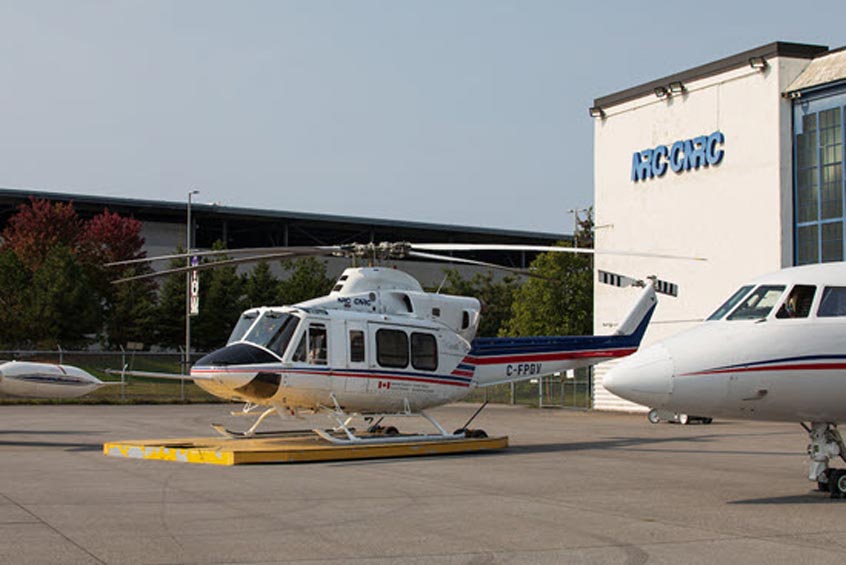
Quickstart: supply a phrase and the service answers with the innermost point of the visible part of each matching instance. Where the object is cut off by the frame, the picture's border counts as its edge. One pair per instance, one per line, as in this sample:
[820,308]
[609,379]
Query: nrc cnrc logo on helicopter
[681,156]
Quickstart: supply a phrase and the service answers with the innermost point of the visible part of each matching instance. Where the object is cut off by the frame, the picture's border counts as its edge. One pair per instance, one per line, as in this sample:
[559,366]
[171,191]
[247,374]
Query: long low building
[164,228]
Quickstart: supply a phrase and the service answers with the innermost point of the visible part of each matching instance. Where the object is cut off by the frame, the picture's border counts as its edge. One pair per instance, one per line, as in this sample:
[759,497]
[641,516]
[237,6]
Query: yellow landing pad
[288,449]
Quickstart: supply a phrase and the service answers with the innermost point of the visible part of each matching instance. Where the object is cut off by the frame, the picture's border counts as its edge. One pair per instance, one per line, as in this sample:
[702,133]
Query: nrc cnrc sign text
[702,151]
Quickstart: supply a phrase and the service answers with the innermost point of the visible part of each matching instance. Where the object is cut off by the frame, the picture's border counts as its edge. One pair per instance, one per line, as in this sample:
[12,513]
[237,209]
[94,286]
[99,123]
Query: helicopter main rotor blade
[216,264]
[541,249]
[263,250]
[447,258]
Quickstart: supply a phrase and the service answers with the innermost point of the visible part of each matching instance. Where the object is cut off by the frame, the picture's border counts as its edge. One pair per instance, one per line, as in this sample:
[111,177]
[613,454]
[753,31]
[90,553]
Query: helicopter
[379,345]
[772,351]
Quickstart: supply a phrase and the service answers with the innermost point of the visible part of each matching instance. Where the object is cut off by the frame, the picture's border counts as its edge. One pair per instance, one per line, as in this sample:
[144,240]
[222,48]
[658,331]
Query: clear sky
[458,112]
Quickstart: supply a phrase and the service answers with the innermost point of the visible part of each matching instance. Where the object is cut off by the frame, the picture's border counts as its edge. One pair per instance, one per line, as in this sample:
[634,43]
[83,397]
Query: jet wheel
[684,419]
[837,483]
[653,416]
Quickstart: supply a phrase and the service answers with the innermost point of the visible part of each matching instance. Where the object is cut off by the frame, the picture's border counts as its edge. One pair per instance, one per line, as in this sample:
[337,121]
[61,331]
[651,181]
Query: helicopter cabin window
[424,352]
[392,348]
[300,353]
[731,302]
[356,346]
[833,302]
[317,344]
[759,304]
[798,303]
[465,319]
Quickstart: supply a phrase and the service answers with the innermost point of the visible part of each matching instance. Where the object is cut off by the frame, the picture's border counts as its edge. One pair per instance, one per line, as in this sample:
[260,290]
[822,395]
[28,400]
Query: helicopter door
[356,361]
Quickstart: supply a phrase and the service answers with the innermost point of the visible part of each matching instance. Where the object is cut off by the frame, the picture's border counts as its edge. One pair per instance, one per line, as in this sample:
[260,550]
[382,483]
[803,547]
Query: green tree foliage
[15,282]
[261,287]
[306,280]
[562,305]
[170,312]
[221,304]
[496,296]
[63,306]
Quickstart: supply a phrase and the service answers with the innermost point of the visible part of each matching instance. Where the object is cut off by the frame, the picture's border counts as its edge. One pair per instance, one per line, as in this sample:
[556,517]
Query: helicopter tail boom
[511,359]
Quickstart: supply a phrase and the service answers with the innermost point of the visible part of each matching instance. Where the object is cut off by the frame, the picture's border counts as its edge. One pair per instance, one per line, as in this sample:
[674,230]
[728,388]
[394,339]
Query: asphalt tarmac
[574,487]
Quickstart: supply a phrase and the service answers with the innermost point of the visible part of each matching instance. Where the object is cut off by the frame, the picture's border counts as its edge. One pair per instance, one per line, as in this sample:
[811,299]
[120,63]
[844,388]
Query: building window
[819,191]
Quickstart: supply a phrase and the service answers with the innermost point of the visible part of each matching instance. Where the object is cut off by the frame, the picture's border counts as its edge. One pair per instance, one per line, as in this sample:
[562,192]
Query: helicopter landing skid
[387,435]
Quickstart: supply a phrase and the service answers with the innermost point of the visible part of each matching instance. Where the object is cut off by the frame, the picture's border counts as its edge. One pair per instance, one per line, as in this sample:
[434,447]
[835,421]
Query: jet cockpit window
[759,304]
[798,303]
[241,327]
[731,302]
[833,302]
[273,331]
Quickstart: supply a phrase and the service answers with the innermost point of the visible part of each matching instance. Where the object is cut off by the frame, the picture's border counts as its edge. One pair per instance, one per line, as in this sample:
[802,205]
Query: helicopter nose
[644,377]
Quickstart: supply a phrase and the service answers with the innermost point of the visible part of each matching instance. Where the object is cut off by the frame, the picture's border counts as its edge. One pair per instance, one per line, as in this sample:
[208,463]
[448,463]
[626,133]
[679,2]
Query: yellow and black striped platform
[292,448]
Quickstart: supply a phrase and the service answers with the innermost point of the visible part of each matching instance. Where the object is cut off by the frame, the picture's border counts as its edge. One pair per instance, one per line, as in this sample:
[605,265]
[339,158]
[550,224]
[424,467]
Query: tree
[62,306]
[170,312]
[128,308]
[306,280]
[496,297]
[40,226]
[221,303]
[15,282]
[559,304]
[261,287]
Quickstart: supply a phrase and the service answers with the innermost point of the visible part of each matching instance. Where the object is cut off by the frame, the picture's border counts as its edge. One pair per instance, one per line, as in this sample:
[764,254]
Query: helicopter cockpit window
[392,348]
[833,302]
[424,352]
[798,303]
[759,304]
[317,344]
[244,323]
[731,302]
[273,331]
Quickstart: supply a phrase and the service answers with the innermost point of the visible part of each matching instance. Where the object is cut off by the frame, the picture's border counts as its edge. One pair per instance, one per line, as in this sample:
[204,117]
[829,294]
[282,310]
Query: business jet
[775,350]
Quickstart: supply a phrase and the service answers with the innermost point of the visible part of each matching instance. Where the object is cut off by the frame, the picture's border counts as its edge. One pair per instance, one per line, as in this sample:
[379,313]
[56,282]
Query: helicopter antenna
[443,282]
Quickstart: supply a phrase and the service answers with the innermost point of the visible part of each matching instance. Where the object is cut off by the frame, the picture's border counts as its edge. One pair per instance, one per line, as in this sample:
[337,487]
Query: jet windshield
[731,302]
[759,304]
[273,331]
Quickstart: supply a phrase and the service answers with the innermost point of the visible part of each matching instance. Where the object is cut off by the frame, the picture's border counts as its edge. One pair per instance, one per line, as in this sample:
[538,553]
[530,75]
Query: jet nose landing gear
[826,443]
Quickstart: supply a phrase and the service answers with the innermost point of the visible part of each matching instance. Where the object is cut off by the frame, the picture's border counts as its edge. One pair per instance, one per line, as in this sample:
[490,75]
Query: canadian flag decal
[383,384]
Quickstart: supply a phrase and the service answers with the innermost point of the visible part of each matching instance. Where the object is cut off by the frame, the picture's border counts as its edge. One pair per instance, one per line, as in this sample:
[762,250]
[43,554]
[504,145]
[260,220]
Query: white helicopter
[29,379]
[775,350]
[379,345]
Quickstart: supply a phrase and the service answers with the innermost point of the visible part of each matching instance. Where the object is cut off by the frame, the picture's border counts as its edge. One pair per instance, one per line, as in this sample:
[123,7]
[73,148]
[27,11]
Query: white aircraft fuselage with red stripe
[380,344]
[755,358]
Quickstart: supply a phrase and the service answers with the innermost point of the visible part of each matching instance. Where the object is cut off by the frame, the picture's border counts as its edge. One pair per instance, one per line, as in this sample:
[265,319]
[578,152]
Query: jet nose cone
[645,377]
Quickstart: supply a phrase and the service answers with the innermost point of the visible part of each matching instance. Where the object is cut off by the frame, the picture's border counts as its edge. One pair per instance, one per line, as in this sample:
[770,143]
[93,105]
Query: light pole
[188,244]
[575,212]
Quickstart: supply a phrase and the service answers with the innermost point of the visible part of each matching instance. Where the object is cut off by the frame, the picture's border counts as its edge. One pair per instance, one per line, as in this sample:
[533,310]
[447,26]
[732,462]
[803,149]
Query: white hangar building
[739,161]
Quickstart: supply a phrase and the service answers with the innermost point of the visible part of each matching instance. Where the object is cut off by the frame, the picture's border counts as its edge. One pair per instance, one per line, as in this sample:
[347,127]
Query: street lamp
[575,212]
[188,245]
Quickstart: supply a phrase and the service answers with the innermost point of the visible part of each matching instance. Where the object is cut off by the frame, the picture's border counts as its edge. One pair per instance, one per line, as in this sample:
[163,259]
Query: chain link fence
[566,390]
